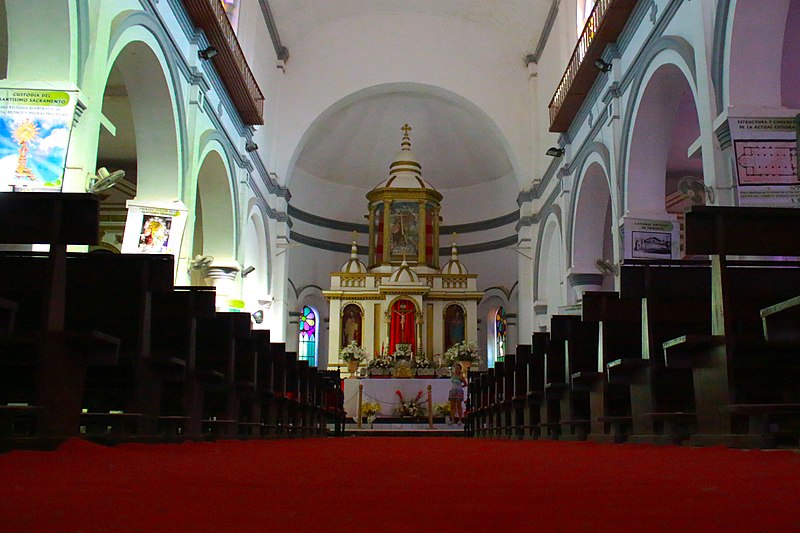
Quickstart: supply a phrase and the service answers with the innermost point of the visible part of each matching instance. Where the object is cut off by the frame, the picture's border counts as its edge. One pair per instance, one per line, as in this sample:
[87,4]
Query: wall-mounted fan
[695,190]
[103,180]
[605,266]
[201,262]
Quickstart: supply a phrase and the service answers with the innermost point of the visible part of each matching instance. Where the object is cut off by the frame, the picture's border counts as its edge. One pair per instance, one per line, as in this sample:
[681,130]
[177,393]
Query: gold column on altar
[422,233]
[387,252]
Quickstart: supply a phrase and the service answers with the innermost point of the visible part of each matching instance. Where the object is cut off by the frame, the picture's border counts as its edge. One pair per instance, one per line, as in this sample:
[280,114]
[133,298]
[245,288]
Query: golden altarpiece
[403,297]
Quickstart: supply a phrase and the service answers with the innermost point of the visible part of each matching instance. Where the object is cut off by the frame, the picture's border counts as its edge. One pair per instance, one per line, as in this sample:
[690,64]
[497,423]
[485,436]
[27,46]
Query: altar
[384,392]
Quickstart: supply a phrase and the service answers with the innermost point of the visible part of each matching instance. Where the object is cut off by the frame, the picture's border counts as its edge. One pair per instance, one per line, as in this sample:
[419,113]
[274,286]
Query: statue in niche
[454,325]
[351,324]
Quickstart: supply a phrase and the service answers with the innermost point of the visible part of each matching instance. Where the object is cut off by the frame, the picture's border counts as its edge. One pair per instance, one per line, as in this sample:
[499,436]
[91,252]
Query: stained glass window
[500,334]
[308,336]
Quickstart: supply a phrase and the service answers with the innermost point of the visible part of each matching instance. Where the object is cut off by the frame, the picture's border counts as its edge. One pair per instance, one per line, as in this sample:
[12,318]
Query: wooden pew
[536,379]
[675,298]
[121,402]
[573,344]
[519,402]
[618,357]
[174,331]
[217,340]
[43,363]
[737,374]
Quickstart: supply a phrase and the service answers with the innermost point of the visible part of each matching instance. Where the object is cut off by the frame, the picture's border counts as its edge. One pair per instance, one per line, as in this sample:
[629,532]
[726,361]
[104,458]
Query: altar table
[384,391]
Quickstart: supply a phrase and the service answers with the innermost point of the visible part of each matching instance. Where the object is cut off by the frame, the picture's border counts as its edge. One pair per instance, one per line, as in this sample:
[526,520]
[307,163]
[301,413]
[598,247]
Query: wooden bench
[675,299]
[54,372]
[738,366]
[617,359]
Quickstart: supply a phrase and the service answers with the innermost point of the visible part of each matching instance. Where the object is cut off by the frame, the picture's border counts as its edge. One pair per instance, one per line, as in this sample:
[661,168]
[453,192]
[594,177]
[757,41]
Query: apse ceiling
[523,21]
[356,144]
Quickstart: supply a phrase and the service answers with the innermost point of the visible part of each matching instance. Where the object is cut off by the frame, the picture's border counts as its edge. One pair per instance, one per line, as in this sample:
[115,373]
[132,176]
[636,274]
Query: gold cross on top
[405,129]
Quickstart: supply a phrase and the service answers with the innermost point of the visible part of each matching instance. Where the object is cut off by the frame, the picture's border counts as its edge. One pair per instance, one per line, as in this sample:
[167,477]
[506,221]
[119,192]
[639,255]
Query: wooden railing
[209,15]
[603,26]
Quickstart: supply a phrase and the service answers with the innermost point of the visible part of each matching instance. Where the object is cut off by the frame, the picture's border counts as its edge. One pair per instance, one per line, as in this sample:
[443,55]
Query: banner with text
[35,127]
[154,227]
[651,239]
[766,161]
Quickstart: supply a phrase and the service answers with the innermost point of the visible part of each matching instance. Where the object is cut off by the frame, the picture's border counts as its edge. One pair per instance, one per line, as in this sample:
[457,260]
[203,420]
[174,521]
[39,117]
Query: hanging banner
[766,161]
[651,239]
[35,127]
[154,227]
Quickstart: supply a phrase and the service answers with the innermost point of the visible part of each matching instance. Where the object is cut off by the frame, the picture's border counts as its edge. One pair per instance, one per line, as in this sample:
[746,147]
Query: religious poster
[765,150]
[154,227]
[404,234]
[453,325]
[651,239]
[35,127]
[352,321]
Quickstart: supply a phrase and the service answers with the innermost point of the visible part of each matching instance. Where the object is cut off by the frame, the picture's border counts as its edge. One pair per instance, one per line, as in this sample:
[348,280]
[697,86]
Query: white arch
[215,224]
[550,288]
[592,219]
[255,253]
[651,122]
[152,95]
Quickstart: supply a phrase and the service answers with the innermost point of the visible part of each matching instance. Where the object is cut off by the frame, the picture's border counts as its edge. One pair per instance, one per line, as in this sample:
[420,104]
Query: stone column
[222,275]
[584,281]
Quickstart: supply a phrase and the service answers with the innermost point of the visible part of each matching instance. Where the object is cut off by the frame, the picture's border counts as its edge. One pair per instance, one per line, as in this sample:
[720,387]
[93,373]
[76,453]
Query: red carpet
[400,484]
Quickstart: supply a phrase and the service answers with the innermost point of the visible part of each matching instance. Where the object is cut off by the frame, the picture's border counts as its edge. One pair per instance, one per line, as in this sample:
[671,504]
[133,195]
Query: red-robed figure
[402,325]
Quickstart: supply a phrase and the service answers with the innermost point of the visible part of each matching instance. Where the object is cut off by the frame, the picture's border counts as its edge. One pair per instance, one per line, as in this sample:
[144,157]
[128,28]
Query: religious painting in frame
[404,231]
[352,324]
[453,325]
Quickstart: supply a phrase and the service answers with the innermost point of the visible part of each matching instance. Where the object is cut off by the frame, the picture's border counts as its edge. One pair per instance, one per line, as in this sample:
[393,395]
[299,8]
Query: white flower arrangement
[462,351]
[421,362]
[380,362]
[402,353]
[352,352]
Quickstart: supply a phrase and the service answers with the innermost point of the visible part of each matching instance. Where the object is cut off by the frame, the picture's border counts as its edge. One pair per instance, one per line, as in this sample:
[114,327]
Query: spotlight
[207,53]
[258,316]
[601,65]
[247,271]
[555,152]
[250,146]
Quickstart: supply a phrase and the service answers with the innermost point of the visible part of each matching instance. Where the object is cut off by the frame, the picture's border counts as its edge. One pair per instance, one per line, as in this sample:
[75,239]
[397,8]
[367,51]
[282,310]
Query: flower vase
[352,367]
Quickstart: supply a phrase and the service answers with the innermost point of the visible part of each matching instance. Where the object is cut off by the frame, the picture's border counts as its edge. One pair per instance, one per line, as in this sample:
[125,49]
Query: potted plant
[371,410]
[462,352]
[380,367]
[424,368]
[410,408]
[353,354]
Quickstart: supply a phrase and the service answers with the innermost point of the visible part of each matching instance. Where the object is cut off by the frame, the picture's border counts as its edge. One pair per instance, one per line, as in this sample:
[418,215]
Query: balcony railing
[603,26]
[209,15]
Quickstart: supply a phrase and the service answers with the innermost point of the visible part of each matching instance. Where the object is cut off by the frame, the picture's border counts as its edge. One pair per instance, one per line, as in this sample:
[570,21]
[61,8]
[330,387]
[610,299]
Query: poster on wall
[154,227]
[765,152]
[651,239]
[35,127]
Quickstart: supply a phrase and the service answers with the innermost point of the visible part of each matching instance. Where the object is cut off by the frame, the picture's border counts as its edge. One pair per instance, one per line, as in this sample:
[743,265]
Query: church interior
[254,250]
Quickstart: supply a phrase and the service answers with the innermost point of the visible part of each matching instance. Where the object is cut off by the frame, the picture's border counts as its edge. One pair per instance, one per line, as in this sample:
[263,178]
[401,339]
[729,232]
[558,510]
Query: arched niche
[550,294]
[255,253]
[762,59]
[592,236]
[140,68]
[664,126]
[214,232]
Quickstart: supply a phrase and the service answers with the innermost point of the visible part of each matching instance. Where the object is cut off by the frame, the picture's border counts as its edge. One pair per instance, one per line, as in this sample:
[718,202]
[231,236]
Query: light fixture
[258,316]
[247,271]
[555,152]
[250,146]
[207,53]
[601,65]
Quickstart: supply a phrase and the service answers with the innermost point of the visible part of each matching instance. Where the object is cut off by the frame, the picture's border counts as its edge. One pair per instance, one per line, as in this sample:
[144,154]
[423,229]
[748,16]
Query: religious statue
[351,326]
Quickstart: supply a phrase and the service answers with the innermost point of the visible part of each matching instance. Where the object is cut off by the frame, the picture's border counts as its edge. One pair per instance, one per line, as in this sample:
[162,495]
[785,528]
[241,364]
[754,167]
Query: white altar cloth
[384,391]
